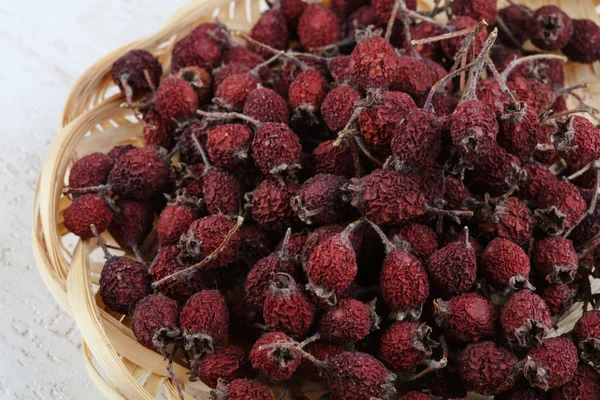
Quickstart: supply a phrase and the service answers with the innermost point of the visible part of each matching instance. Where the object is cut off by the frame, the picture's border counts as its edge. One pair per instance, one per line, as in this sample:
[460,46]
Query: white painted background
[44,47]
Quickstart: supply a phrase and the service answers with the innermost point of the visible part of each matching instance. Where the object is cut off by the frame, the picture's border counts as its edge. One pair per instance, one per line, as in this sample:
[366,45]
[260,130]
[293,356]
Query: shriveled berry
[139,173]
[220,74]
[275,147]
[131,223]
[559,298]
[272,359]
[319,199]
[339,68]
[519,130]
[308,91]
[486,368]
[422,241]
[551,364]
[583,44]
[222,192]
[330,159]
[318,26]
[84,211]
[265,105]
[536,94]
[473,124]
[518,19]
[476,9]
[207,233]
[559,207]
[90,170]
[228,362]
[525,319]
[509,218]
[347,322]
[241,389]
[158,130]
[174,221]
[261,274]
[467,318]
[503,262]
[154,322]
[117,151]
[176,99]
[270,29]
[424,30]
[585,385]
[538,176]
[405,345]
[374,63]
[453,268]
[321,351]
[414,76]
[228,145]
[204,320]
[417,142]
[338,106]
[123,282]
[451,46]
[131,69]
[555,259]
[234,90]
[167,263]
[587,336]
[552,28]
[582,139]
[271,204]
[198,49]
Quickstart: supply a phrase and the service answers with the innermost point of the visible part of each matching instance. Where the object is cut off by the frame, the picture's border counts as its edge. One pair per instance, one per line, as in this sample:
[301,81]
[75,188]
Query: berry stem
[506,31]
[229,115]
[390,23]
[467,242]
[200,149]
[582,109]
[355,157]
[474,74]
[444,36]
[592,207]
[107,254]
[263,64]
[417,16]
[138,254]
[283,253]
[172,374]
[434,365]
[454,214]
[502,82]
[209,258]
[295,346]
[533,57]
[389,246]
[343,42]
[363,148]
[428,106]
[89,189]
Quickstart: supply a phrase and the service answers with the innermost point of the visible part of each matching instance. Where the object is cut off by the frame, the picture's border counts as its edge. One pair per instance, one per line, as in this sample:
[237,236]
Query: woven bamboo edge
[93,120]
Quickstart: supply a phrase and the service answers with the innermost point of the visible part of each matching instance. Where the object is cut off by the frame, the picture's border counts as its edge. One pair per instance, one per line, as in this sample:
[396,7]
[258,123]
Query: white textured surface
[45,46]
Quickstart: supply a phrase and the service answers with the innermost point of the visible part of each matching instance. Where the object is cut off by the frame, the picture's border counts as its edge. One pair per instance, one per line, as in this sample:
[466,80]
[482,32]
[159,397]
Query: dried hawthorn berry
[129,72]
[585,385]
[551,364]
[472,125]
[206,234]
[456,193]
[361,18]
[490,93]
[374,63]
[347,322]
[158,130]
[330,159]
[286,308]
[228,145]
[582,139]
[200,80]
[265,105]
[271,204]
[414,76]
[117,151]
[504,263]
[338,106]
[476,9]
[222,192]
[131,223]
[555,259]
[587,336]
[319,199]
[536,94]
[321,351]
[552,28]
[486,368]
[188,150]
[559,207]
[538,176]
[467,318]
[167,263]
[519,130]
[204,320]
[378,123]
[270,29]
[240,389]
[174,221]
[424,30]
[451,46]
[559,298]
[90,170]
[154,322]
[318,26]
[357,376]
[518,19]
[422,241]
[220,74]
[86,210]
[228,362]
[308,90]
[417,141]
[453,268]
[583,44]
[383,8]
[508,218]
[525,319]
[234,90]
[292,10]
[269,356]
[405,345]
[198,49]
[339,68]
[176,99]
[275,148]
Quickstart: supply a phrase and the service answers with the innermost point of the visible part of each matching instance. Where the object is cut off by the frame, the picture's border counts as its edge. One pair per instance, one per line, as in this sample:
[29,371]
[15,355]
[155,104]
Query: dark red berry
[405,345]
[234,90]
[265,105]
[347,322]
[319,199]
[552,28]
[228,362]
[90,170]
[270,29]
[585,385]
[422,241]
[318,26]
[453,268]
[228,145]
[321,351]
[587,336]
[374,63]
[206,234]
[583,44]
[174,221]
[275,148]
[204,320]
[487,369]
[272,359]
[559,207]
[518,19]
[198,49]
[551,364]
[525,319]
[555,259]
[271,204]
[503,263]
[508,218]
[86,210]
[330,159]
[417,142]
[261,274]
[167,263]
[131,68]
[519,130]
[338,106]
[467,318]
[123,282]
[158,130]
[308,91]
[131,223]
[154,322]
[176,99]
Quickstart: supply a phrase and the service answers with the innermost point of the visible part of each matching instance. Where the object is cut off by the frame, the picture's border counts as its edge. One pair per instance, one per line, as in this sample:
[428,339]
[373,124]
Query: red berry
[207,233]
[167,263]
[131,223]
[583,44]
[270,29]
[451,46]
[123,282]
[414,76]
[473,125]
[519,131]
[585,385]
[486,368]
[405,345]
[490,93]
[538,176]
[90,170]
[518,19]
[330,159]
[271,204]
[417,142]
[228,145]
[275,148]
[198,49]
[319,199]
[424,30]
[374,63]
[321,351]
[241,389]
[158,130]
[453,268]
[176,99]
[347,322]
[131,69]
[204,320]
[552,28]
[318,26]
[275,361]
[228,362]
[188,150]
[220,74]
[551,364]
[338,106]
[261,274]
[86,210]
[222,192]
[154,322]
[234,90]
[339,68]
[476,9]
[559,298]
[582,138]
[456,193]
[265,105]
[292,10]
[421,240]
[587,336]
[174,221]
[525,319]
[308,90]
[383,8]
[559,207]
[117,151]
[509,218]
[503,263]
[555,259]
[467,318]
[536,94]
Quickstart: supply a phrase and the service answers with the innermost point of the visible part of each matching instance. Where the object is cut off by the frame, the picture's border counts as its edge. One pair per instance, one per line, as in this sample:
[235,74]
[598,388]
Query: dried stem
[428,106]
[533,57]
[366,151]
[501,81]
[228,115]
[454,214]
[200,149]
[583,109]
[390,23]
[355,156]
[441,37]
[389,246]
[467,43]
[506,31]
[209,258]
[263,64]
[433,365]
[89,189]
[570,89]
[107,254]
[172,374]
[417,16]
[475,72]
[343,42]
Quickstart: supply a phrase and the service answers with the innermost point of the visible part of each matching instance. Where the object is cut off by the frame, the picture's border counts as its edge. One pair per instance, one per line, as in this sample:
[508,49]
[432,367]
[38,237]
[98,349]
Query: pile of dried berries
[362,196]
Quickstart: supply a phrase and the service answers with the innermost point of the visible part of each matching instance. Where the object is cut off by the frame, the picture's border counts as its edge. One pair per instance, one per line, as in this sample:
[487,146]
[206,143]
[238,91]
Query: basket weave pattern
[93,120]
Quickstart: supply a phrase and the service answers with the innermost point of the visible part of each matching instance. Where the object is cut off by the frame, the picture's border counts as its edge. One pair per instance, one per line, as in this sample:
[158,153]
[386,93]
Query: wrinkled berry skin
[418,142]
[502,260]
[165,264]
[117,151]
[330,159]
[227,362]
[276,363]
[585,385]
[319,199]
[308,90]
[204,320]
[275,146]
[584,138]
[476,9]
[90,170]
[473,124]
[84,211]
[536,94]
[188,151]
[538,176]
[292,10]
[559,207]
[222,192]
[228,145]
[338,106]
[347,322]
[174,221]
[405,345]
[374,63]
[453,268]
[415,77]
[518,20]
[131,223]
[210,232]
[386,196]
[555,259]
[519,130]
[583,44]
[123,282]
[332,265]
[287,309]
[261,274]
[318,26]
[234,90]
[486,368]
[176,99]
[139,173]
[378,123]
[270,29]
[266,105]
[383,8]
[322,351]
[559,298]
[421,239]
[551,364]
[468,318]
[130,68]
[157,130]
[525,319]
[552,28]
[510,219]
[271,204]
[587,336]
[154,321]
[404,282]
[242,389]
[198,49]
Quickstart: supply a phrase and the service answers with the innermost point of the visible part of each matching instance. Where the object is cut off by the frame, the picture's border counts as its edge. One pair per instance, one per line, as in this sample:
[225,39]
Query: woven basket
[93,120]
